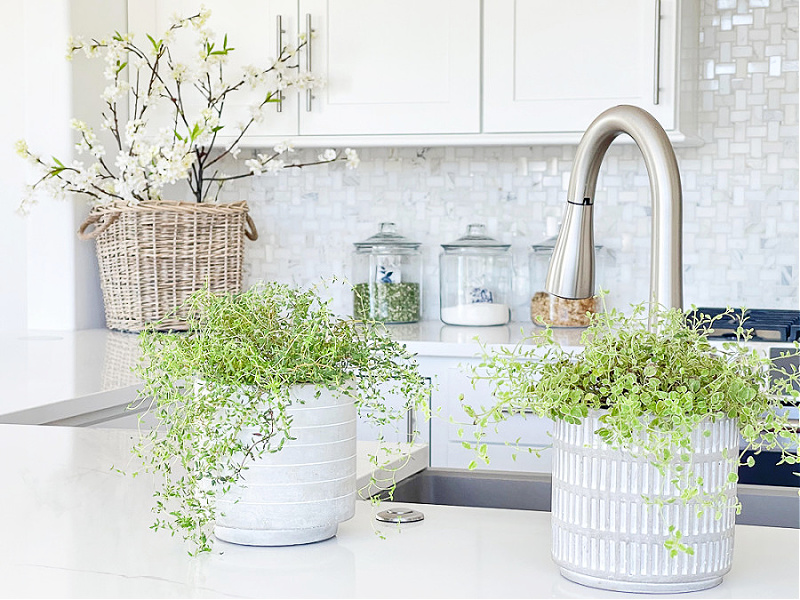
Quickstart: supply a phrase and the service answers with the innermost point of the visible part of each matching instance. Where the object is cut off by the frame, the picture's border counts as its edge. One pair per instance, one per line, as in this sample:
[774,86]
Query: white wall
[48,278]
[13,239]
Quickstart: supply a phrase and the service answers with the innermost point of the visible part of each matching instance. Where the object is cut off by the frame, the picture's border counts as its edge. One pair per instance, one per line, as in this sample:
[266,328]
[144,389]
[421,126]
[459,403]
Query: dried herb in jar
[387,302]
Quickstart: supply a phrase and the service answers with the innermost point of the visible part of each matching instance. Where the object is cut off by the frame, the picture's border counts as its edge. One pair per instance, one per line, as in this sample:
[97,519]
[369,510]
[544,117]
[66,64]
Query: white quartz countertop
[49,377]
[75,528]
[53,375]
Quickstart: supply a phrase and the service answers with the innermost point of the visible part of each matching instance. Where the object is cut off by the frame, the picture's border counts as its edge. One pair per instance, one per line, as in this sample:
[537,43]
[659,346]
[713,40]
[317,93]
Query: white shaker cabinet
[392,67]
[389,67]
[452,378]
[552,67]
[455,72]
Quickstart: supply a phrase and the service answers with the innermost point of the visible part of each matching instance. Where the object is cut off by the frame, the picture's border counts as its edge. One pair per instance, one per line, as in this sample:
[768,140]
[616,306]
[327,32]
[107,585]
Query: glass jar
[547,309]
[387,275]
[475,280]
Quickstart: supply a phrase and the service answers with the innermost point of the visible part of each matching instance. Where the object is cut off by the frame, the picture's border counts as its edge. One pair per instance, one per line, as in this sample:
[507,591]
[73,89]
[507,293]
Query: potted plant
[646,442]
[153,252]
[256,408]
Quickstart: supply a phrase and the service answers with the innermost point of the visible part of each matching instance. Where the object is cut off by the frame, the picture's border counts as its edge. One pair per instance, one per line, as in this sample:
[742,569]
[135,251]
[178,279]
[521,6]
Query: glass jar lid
[387,237]
[547,246]
[476,238]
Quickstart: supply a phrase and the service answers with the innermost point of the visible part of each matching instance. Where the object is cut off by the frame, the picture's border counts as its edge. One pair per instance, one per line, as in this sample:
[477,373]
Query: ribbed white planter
[301,493]
[606,536]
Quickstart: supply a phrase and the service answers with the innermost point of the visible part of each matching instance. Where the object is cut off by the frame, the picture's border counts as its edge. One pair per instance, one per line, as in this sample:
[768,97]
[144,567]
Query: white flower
[288,51]
[114,92]
[202,17]
[28,200]
[176,19]
[210,117]
[180,72]
[235,152]
[21,148]
[285,146]
[168,37]
[279,68]
[254,165]
[328,155]
[252,75]
[352,158]
[132,127]
[73,45]
[303,81]
[156,91]
[274,166]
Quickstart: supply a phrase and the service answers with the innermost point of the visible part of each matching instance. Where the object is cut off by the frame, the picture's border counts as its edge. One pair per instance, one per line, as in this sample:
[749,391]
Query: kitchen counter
[52,377]
[85,377]
[75,528]
[434,338]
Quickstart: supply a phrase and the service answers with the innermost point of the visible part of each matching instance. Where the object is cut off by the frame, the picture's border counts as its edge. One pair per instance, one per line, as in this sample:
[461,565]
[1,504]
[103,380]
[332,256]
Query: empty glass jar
[475,280]
[547,309]
[387,273]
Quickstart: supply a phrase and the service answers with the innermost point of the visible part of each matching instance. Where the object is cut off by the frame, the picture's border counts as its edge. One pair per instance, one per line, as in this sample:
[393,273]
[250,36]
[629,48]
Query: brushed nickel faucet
[571,272]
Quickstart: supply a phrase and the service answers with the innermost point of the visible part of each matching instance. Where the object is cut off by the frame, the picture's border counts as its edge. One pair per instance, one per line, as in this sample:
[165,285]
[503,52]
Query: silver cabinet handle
[279,41]
[411,425]
[411,417]
[657,53]
[309,31]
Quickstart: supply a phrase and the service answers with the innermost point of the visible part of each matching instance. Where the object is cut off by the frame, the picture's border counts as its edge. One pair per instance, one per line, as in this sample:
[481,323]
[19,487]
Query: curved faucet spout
[571,273]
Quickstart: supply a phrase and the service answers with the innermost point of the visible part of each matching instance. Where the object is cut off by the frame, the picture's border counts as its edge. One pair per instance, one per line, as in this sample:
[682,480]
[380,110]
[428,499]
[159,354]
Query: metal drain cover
[400,515]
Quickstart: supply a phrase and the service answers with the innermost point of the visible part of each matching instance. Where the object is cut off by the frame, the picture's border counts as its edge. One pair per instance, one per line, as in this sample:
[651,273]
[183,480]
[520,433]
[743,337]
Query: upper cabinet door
[554,66]
[252,29]
[392,66]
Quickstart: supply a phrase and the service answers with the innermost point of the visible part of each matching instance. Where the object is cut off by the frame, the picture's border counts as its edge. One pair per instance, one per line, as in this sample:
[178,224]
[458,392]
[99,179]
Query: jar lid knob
[476,229]
[388,227]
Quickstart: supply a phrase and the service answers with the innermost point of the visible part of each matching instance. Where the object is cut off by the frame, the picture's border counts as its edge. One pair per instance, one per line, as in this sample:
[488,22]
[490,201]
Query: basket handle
[102,221]
[252,232]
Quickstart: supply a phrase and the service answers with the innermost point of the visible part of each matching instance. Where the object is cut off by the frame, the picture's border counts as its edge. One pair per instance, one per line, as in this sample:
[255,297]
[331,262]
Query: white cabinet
[392,67]
[452,378]
[389,67]
[428,72]
[553,66]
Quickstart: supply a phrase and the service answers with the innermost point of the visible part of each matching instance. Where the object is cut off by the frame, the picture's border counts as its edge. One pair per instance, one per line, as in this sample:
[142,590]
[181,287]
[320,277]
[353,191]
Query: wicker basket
[153,256]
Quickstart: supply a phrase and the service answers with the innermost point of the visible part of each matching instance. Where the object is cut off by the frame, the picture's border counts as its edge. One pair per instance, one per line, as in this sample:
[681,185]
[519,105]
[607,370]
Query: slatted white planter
[301,493]
[606,536]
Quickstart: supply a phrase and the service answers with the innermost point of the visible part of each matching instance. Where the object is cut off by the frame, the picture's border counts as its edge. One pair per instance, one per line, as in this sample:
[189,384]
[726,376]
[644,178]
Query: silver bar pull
[411,425]
[279,41]
[309,31]
[411,418]
[657,53]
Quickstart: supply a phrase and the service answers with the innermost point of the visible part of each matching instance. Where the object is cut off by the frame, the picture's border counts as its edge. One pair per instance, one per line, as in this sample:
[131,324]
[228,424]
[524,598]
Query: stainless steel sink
[476,488]
[772,506]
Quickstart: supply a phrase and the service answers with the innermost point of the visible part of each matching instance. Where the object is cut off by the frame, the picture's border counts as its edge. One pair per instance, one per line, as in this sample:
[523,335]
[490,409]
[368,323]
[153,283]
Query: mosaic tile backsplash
[740,188]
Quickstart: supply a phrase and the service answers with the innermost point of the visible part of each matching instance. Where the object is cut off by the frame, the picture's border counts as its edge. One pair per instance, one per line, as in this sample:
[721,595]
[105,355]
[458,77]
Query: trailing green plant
[655,377]
[233,369]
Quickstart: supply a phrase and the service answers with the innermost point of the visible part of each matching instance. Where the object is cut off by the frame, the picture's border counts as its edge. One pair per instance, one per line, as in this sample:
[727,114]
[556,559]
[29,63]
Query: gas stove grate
[771,325]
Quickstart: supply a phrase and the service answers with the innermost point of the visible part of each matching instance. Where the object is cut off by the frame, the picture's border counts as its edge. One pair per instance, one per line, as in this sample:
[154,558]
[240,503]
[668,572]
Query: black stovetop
[767,325]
